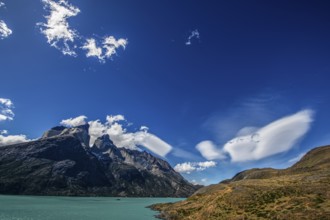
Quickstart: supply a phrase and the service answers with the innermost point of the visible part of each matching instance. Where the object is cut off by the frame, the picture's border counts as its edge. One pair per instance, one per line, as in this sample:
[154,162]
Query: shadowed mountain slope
[62,163]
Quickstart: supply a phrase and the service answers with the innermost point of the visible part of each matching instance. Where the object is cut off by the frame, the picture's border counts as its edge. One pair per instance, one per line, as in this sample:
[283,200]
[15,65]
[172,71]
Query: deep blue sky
[272,56]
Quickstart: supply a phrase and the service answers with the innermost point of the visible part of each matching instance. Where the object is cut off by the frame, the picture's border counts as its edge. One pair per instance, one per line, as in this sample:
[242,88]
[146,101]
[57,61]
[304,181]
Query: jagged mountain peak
[61,163]
[80,132]
[104,143]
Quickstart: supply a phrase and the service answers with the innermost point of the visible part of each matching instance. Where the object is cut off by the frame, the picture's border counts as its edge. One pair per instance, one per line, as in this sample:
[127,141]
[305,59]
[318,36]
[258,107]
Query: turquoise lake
[77,208]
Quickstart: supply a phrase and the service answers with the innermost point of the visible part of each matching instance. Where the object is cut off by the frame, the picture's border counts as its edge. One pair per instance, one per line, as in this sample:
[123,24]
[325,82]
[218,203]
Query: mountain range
[298,192]
[62,163]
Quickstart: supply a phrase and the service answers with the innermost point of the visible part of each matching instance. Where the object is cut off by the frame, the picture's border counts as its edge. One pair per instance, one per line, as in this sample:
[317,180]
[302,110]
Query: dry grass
[300,192]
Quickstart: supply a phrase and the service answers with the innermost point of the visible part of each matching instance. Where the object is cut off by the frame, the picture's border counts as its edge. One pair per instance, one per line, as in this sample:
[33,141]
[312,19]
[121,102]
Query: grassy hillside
[299,192]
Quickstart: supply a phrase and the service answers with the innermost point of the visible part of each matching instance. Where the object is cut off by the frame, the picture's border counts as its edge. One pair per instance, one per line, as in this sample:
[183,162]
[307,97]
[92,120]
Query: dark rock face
[53,166]
[138,172]
[59,164]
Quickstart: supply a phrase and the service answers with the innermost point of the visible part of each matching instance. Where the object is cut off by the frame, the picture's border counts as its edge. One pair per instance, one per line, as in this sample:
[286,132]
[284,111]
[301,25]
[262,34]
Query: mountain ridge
[60,163]
[298,192]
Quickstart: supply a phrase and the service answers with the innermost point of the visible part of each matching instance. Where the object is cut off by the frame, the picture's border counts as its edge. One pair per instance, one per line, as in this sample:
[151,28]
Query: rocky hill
[299,192]
[62,163]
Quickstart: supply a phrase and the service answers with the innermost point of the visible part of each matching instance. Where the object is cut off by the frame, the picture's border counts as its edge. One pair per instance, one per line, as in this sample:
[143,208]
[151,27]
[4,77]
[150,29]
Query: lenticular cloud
[254,144]
[276,137]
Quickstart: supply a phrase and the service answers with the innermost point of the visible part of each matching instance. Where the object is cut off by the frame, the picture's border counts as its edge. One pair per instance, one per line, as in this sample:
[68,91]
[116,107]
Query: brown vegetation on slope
[299,192]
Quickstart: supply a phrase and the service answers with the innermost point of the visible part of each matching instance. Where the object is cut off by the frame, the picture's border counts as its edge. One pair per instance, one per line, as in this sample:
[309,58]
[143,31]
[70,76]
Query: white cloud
[3,132]
[206,164]
[186,167]
[6,102]
[123,138]
[209,150]
[92,49]
[276,137]
[96,130]
[57,29]
[189,167]
[6,112]
[297,158]
[108,49]
[63,37]
[115,118]
[120,137]
[5,31]
[194,34]
[110,44]
[144,128]
[73,122]
[152,142]
[12,139]
[247,131]
[253,143]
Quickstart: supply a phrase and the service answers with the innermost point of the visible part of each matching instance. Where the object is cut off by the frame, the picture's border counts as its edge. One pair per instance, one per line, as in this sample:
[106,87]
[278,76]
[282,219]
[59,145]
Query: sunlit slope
[299,192]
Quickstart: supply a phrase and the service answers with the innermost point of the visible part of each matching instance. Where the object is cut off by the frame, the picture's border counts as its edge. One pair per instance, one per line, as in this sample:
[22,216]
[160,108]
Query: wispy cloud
[92,49]
[6,112]
[5,31]
[111,45]
[189,167]
[6,102]
[180,153]
[116,127]
[204,180]
[57,29]
[297,158]
[63,37]
[255,111]
[193,35]
[108,48]
[115,118]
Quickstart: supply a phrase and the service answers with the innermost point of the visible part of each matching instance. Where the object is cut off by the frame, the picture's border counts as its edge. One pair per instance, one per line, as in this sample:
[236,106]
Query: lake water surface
[77,208]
